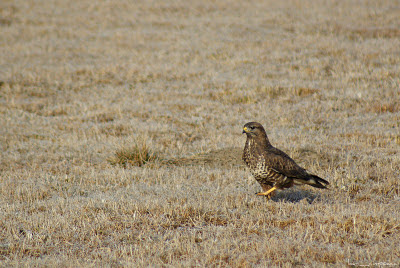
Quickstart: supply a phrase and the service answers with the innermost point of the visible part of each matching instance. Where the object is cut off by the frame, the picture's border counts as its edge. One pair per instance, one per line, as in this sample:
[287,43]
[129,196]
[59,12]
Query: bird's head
[254,129]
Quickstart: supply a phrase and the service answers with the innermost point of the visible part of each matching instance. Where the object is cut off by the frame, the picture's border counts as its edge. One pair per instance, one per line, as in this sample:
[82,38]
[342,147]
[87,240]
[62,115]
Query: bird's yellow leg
[267,193]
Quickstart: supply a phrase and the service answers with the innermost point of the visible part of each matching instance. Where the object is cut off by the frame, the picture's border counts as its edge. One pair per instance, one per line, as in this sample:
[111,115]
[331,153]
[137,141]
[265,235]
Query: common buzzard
[271,167]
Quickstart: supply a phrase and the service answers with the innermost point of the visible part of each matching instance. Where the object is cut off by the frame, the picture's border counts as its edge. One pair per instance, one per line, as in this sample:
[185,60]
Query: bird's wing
[282,163]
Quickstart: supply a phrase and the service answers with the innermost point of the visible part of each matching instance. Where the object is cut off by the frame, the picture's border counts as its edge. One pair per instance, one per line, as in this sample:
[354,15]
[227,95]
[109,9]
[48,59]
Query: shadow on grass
[295,196]
[222,158]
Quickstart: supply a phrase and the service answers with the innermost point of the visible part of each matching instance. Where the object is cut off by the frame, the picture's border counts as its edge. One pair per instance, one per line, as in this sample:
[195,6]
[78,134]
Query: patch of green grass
[137,155]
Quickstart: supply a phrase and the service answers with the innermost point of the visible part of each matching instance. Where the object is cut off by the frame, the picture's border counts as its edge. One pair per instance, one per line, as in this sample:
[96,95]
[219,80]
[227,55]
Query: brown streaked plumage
[271,167]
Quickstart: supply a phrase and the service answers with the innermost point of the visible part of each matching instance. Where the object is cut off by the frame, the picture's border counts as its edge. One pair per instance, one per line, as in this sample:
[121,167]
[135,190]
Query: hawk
[271,167]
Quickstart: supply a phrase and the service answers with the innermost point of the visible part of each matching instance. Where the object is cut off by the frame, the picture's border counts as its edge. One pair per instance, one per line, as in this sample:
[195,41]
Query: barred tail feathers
[314,181]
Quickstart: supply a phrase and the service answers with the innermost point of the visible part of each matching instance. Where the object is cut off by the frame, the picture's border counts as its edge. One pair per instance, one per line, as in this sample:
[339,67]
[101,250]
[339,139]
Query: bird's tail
[315,181]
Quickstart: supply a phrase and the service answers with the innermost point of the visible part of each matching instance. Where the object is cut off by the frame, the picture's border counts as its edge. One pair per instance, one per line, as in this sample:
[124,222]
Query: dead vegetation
[120,132]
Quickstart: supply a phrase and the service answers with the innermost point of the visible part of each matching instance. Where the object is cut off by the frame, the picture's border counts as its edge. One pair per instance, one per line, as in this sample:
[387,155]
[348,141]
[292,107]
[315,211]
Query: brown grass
[120,132]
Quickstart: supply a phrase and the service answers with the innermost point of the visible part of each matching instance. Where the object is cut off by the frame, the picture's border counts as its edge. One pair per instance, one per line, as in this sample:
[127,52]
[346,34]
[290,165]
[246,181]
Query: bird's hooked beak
[245,130]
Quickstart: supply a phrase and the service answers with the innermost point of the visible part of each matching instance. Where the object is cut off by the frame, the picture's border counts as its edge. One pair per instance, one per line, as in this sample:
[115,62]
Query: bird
[272,168]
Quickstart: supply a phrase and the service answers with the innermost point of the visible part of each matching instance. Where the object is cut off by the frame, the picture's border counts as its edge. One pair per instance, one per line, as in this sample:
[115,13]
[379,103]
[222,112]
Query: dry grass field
[121,121]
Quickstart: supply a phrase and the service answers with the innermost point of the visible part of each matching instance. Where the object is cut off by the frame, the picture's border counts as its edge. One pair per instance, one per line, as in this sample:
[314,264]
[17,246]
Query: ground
[121,132]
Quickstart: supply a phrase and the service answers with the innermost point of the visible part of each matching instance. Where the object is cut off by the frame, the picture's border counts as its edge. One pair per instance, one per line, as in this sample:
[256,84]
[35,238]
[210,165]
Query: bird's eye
[252,127]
